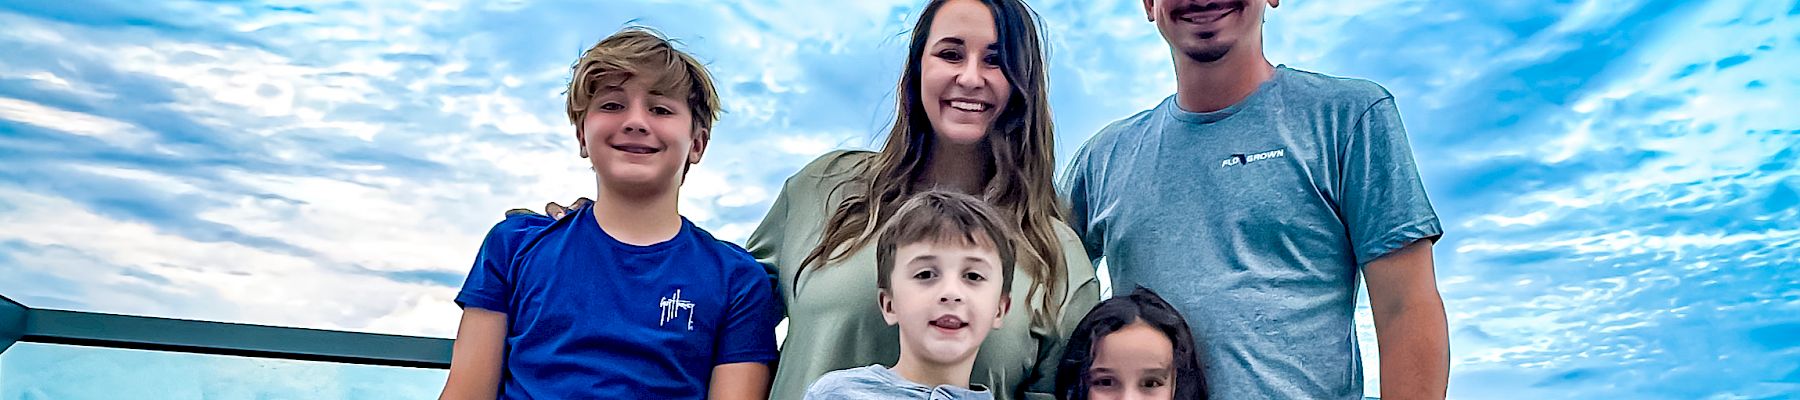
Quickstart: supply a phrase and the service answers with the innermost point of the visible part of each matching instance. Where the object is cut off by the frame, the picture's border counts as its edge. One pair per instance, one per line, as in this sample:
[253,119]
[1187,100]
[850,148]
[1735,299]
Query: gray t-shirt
[876,382]
[1254,221]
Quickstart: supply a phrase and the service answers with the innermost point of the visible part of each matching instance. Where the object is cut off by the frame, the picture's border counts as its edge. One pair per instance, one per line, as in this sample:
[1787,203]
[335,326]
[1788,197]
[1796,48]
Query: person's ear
[885,300]
[1274,3]
[701,137]
[1150,10]
[1005,305]
[580,139]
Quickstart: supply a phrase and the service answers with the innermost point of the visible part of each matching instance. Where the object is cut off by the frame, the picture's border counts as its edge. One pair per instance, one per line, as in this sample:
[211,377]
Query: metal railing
[20,323]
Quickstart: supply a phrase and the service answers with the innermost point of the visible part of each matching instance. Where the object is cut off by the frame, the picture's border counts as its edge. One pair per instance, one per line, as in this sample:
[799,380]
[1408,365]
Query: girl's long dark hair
[1142,305]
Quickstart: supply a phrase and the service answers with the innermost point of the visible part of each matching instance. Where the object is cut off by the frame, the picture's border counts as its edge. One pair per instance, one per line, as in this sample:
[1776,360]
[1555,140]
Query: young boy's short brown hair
[942,217]
[639,50]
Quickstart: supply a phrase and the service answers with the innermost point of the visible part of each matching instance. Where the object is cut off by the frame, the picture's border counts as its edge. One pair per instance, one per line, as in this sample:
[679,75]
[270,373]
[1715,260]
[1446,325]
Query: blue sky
[1618,179]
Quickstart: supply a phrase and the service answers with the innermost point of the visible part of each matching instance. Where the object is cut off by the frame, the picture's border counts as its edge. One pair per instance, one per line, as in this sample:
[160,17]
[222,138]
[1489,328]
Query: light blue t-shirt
[1254,221]
[876,382]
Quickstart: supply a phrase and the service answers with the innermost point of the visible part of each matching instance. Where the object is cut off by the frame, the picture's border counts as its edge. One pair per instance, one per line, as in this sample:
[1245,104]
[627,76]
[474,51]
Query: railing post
[12,322]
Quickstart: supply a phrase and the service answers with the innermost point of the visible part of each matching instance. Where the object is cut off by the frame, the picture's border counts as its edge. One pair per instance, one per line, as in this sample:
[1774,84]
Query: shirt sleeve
[769,242]
[748,334]
[827,387]
[1074,190]
[490,285]
[1383,198]
[765,243]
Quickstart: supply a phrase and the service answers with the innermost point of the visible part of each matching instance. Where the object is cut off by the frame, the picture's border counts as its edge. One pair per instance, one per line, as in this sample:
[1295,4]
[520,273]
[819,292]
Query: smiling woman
[1621,176]
[961,86]
[972,117]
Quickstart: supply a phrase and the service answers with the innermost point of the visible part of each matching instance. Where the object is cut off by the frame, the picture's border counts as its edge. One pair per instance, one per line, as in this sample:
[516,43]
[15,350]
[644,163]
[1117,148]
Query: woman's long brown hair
[1021,144]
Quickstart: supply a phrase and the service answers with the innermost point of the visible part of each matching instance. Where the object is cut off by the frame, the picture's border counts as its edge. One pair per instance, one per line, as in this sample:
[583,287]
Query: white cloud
[235,282]
[105,129]
[383,139]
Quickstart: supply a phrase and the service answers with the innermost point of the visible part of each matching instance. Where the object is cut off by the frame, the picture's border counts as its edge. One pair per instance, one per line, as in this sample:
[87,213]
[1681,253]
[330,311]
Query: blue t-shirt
[1254,222]
[591,317]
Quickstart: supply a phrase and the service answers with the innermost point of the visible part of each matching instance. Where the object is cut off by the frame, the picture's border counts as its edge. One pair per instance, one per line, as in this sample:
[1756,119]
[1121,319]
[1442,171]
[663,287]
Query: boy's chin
[948,352]
[638,177]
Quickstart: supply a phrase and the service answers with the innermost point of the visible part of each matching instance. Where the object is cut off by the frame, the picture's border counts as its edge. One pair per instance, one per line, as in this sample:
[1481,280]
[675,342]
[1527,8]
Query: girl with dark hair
[1135,346]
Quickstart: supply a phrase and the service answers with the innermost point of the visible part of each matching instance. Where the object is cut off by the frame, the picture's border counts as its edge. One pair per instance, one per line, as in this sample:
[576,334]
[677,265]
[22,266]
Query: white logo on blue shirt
[671,309]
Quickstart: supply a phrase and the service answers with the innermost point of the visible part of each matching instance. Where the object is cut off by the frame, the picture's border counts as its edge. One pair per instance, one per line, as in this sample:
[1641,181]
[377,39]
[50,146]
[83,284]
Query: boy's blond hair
[637,50]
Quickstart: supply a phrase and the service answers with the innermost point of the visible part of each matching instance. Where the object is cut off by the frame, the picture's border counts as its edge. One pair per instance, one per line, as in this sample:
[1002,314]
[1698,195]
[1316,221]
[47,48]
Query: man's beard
[1208,54]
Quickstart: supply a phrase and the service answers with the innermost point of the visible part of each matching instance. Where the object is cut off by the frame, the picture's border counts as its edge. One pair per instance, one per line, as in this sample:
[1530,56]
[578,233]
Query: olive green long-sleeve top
[833,320]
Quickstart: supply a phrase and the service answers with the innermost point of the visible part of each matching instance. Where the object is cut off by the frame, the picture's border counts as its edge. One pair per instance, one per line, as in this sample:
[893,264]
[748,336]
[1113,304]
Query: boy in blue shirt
[623,298]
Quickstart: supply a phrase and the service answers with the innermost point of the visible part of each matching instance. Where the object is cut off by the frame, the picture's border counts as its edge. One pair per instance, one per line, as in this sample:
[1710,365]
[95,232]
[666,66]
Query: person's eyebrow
[951,40]
[922,259]
[665,95]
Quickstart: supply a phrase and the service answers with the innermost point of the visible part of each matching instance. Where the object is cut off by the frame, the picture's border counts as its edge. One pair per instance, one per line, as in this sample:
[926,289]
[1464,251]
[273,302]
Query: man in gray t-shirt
[1252,199]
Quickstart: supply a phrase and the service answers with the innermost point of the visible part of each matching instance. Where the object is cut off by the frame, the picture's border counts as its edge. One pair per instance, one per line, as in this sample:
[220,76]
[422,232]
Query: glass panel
[35,371]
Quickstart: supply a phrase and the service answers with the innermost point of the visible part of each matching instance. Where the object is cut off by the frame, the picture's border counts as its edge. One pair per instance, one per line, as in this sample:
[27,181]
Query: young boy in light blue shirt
[943,265]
